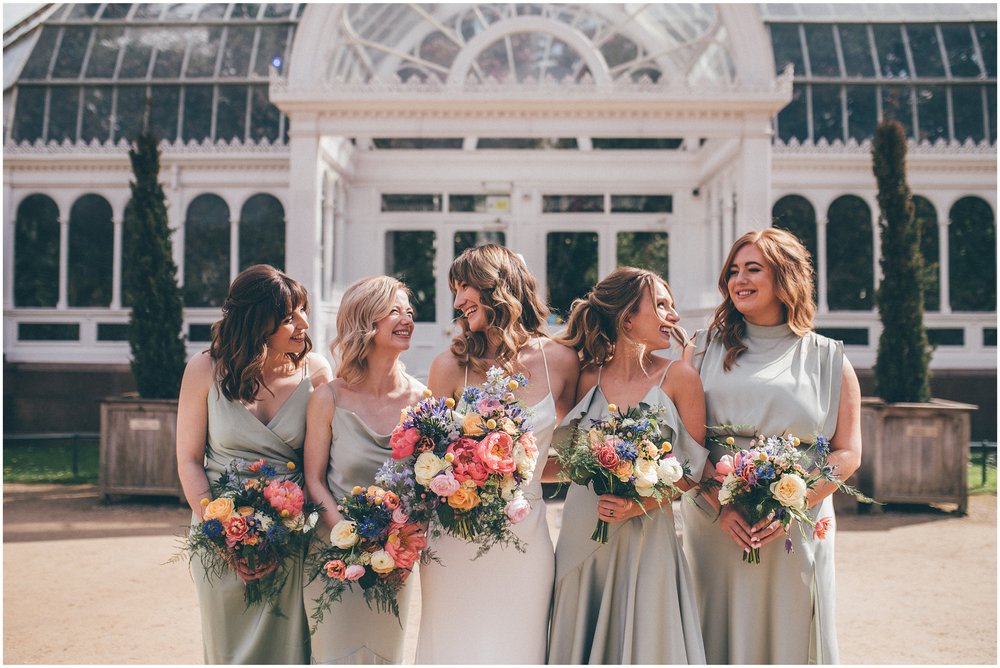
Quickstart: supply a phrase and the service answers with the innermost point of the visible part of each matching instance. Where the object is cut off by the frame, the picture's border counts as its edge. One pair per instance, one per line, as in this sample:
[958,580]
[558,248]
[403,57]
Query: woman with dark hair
[502,320]
[766,372]
[349,422]
[245,398]
[628,601]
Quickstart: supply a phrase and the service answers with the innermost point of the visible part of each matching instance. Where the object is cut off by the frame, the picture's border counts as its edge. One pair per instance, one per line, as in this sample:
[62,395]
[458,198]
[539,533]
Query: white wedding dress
[494,609]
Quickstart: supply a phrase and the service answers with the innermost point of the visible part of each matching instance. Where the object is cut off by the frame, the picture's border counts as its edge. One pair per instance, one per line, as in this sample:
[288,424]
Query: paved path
[87,583]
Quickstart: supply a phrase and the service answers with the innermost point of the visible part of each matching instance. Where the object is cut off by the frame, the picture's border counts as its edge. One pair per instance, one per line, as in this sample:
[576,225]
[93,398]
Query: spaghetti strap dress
[494,610]
[351,632]
[233,633]
[782,609]
[631,600]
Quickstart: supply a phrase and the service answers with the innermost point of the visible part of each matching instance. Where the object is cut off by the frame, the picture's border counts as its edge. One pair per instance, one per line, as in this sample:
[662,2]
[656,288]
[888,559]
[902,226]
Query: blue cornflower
[268,470]
[822,445]
[212,528]
[627,450]
[765,471]
[370,527]
[276,532]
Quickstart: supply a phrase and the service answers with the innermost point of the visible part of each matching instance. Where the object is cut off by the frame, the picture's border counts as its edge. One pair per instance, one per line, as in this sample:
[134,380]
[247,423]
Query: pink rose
[354,572]
[445,484]
[517,509]
[529,444]
[236,529]
[399,516]
[608,458]
[335,569]
[285,496]
[405,543]
[466,466]
[403,441]
[724,467]
[496,452]
[487,405]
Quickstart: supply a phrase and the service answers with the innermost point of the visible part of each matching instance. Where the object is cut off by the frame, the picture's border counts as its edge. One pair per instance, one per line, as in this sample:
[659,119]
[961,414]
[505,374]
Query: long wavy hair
[596,322]
[364,303]
[793,286]
[514,310]
[259,299]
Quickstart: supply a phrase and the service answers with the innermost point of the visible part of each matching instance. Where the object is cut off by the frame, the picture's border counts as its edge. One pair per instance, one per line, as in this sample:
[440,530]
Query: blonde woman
[349,423]
[245,398]
[502,325]
[763,366]
[630,600]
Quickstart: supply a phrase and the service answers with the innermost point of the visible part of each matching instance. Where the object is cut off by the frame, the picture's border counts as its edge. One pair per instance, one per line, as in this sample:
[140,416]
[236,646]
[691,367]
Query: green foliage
[150,279]
[901,372]
[44,461]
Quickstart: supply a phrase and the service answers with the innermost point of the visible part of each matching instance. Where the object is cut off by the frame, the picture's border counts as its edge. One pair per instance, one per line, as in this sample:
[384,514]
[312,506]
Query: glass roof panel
[245,10]
[37,66]
[925,44]
[986,35]
[236,55]
[204,52]
[822,51]
[961,52]
[150,11]
[856,47]
[83,10]
[114,11]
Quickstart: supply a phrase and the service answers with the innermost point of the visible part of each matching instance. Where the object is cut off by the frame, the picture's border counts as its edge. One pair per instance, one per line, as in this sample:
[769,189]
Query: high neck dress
[494,609]
[233,633]
[351,632]
[629,601]
[782,609]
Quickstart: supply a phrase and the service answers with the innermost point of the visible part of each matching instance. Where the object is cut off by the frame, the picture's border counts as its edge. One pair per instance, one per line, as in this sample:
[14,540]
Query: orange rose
[219,509]
[464,499]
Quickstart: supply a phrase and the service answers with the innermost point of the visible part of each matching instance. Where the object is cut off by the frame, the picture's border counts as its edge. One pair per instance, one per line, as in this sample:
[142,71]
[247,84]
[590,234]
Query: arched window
[36,252]
[972,256]
[262,232]
[91,252]
[849,260]
[206,251]
[925,217]
[797,215]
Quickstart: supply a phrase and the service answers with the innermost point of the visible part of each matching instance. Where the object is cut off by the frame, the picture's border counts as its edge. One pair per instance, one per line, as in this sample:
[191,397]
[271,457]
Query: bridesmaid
[347,440]
[246,398]
[762,365]
[629,601]
[496,609]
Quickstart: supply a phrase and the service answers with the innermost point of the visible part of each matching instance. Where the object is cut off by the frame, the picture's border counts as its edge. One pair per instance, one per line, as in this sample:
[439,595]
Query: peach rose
[219,509]
[463,499]
[473,425]
[335,569]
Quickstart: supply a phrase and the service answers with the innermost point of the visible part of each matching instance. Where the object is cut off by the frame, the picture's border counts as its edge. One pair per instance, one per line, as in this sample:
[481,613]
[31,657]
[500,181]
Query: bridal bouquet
[254,526]
[472,460]
[623,455]
[771,478]
[383,534]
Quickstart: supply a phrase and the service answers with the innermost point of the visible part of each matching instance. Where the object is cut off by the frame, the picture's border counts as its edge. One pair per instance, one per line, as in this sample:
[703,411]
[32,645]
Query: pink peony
[466,466]
[405,543]
[403,441]
[237,529]
[496,452]
[724,467]
[284,496]
[399,516]
[517,509]
[354,572]
[445,484]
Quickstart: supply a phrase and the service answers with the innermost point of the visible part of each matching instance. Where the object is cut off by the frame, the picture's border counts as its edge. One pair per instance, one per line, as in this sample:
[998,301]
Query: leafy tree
[901,367]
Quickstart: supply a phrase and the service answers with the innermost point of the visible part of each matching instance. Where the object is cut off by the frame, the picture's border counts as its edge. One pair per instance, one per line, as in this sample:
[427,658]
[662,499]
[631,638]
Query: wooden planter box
[138,448]
[915,453]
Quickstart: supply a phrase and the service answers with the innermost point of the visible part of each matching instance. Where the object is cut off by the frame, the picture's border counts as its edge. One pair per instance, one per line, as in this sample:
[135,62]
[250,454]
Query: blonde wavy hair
[596,322]
[793,286]
[514,310]
[364,303]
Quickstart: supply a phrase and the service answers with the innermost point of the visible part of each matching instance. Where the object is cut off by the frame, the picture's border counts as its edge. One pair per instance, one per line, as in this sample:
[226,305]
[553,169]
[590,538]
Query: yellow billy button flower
[796,441]
[427,393]
[666,446]
[357,489]
[449,402]
[285,513]
[204,502]
[291,466]
[378,500]
[491,424]
[612,408]
[449,457]
[730,440]
[513,385]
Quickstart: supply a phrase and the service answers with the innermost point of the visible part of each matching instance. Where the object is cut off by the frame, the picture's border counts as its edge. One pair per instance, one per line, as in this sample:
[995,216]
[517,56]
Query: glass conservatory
[342,140]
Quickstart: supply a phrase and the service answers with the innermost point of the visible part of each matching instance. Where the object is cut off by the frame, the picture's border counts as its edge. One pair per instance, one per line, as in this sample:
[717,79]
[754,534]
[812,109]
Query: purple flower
[789,548]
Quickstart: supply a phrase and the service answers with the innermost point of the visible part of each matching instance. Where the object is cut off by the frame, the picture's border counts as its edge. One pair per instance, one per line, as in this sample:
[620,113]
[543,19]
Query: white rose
[426,467]
[669,470]
[296,523]
[382,562]
[344,534]
[790,491]
[507,487]
[524,462]
[310,522]
[645,476]
[726,491]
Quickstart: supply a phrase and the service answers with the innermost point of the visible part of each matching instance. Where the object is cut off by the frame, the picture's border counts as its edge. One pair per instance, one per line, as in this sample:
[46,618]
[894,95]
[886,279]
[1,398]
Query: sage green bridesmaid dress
[629,601]
[233,633]
[780,611]
[351,632]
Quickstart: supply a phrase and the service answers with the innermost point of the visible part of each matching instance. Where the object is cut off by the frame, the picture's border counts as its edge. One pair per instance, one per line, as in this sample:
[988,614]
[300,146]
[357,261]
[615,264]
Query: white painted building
[340,141]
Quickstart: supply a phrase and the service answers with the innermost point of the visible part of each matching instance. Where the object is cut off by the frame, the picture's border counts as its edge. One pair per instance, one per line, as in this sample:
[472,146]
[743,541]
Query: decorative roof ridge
[852,147]
[219,147]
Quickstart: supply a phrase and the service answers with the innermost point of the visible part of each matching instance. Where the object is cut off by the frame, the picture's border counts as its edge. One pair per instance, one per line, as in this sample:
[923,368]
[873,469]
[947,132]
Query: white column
[944,266]
[302,232]
[234,245]
[876,214]
[821,263]
[10,216]
[753,180]
[116,264]
[63,261]
[175,219]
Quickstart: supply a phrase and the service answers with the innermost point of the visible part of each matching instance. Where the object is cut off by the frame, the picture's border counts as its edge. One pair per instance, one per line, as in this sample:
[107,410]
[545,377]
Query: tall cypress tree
[901,367]
[150,279]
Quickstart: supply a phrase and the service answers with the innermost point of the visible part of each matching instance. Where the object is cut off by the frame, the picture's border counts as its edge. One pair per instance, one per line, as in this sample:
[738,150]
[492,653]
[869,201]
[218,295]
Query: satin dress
[780,611]
[232,633]
[631,600]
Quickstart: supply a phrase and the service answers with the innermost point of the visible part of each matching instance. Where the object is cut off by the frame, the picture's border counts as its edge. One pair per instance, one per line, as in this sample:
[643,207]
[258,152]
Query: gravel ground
[88,583]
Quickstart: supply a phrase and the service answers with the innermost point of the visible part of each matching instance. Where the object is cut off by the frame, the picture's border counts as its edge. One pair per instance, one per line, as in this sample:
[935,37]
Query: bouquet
[472,460]
[254,525]
[770,477]
[623,455]
[383,534]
